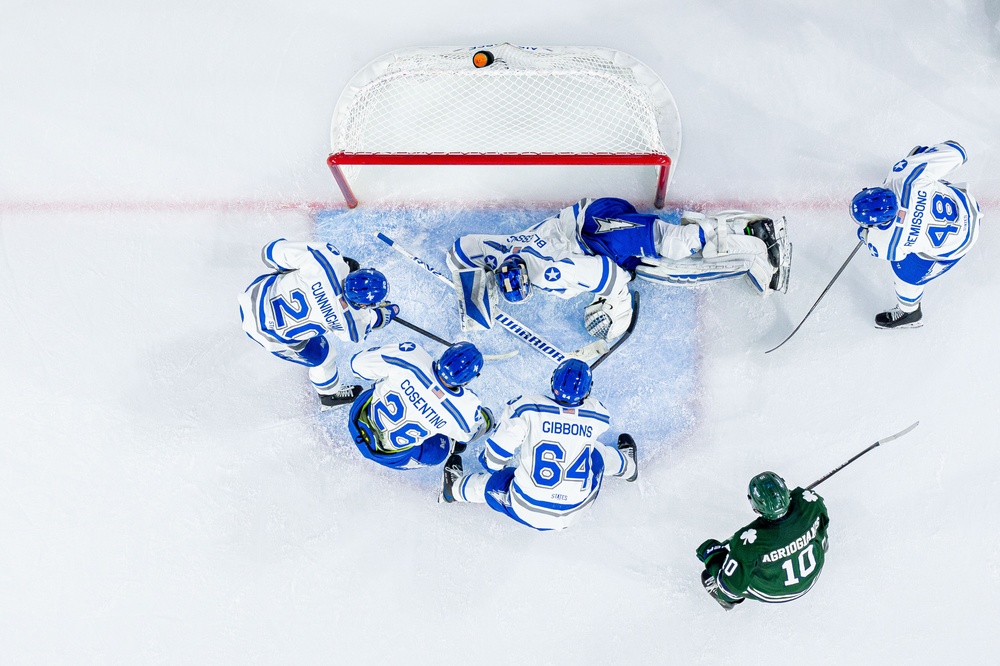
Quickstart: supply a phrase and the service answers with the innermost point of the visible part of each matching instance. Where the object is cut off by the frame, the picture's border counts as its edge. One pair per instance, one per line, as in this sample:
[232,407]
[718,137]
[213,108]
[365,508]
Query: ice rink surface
[170,494]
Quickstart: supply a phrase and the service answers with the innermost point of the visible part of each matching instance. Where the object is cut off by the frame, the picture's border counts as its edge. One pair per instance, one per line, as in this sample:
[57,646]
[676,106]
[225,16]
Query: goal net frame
[395,111]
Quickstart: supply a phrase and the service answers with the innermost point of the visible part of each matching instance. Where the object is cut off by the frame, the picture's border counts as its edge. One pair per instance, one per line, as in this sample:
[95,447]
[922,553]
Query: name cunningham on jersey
[330,315]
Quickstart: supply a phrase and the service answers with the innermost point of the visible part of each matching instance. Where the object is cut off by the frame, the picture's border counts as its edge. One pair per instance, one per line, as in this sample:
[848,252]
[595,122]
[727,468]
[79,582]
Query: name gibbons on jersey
[560,428]
[421,405]
[795,546]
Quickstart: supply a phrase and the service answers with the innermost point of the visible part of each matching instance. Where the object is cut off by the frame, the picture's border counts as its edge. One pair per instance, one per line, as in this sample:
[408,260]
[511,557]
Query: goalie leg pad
[476,300]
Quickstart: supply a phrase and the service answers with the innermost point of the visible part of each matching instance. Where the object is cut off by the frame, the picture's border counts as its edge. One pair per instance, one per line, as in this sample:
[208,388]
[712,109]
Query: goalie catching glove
[606,318]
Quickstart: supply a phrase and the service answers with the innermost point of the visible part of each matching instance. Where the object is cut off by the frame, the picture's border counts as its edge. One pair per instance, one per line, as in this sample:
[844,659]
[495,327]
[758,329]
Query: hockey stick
[421,331]
[424,332]
[625,336]
[879,442]
[512,325]
[842,267]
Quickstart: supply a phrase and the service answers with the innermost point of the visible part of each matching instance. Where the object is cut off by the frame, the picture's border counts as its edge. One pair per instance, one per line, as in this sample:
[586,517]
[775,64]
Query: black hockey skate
[344,396]
[452,473]
[352,264]
[896,318]
[711,584]
[779,250]
[628,449]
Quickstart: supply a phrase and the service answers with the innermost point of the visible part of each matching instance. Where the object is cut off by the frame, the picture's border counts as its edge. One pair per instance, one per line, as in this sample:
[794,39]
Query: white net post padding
[544,105]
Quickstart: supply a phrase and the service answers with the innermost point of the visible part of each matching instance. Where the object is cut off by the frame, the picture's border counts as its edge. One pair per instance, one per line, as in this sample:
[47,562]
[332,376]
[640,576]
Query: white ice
[168,493]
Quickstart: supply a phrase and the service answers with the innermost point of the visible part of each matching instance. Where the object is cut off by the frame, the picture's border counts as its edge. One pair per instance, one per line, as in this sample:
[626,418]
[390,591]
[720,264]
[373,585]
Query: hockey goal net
[530,106]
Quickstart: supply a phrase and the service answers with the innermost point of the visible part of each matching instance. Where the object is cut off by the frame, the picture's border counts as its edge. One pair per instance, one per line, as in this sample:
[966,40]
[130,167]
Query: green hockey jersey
[777,560]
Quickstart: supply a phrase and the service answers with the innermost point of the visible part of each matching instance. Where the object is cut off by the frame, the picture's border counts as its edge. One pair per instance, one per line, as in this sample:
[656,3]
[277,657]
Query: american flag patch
[569,410]
[437,391]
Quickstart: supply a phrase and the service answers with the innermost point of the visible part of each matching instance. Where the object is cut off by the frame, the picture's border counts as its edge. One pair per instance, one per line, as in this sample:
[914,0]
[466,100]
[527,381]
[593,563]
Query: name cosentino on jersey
[795,546]
[421,405]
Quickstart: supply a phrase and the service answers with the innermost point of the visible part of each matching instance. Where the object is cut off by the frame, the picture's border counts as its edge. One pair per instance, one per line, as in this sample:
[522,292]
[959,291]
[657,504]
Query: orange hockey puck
[482,59]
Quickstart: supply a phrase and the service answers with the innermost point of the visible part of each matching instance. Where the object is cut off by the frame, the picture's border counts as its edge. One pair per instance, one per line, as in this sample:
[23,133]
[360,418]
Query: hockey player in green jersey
[777,557]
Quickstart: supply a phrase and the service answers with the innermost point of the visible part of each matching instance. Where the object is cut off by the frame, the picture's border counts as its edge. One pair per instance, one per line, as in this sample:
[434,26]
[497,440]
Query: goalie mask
[768,495]
[365,287]
[874,206]
[512,278]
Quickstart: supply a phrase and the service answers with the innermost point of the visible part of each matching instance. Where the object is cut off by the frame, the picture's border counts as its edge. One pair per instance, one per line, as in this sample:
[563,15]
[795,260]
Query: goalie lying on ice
[513,266]
[569,253]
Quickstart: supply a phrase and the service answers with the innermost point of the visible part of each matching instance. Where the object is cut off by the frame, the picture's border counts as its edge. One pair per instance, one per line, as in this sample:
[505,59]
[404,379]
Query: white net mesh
[568,100]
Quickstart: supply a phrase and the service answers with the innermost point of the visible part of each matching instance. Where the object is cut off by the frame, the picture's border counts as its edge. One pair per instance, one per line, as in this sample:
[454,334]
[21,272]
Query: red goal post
[541,106]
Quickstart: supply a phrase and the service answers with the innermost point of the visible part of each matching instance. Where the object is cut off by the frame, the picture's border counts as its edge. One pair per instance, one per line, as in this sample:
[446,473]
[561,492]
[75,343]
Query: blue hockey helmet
[874,206]
[769,495]
[459,364]
[571,382]
[365,287]
[512,277]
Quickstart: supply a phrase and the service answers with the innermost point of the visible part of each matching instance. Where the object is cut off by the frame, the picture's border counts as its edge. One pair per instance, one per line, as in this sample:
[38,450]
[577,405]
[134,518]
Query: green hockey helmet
[768,495]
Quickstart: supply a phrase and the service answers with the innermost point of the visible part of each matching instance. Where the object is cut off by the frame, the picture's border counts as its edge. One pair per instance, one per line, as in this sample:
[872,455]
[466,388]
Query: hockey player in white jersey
[560,465]
[569,254]
[314,291]
[920,223]
[522,263]
[418,410]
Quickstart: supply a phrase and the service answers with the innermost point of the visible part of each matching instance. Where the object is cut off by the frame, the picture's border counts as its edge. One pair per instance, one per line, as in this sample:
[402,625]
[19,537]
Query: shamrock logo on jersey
[407,346]
[552,274]
[809,496]
[749,536]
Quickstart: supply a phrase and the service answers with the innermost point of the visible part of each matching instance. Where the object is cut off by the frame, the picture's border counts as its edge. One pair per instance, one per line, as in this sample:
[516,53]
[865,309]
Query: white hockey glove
[597,320]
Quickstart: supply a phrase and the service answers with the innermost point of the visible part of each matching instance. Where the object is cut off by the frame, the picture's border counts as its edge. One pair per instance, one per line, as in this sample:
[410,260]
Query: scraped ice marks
[651,385]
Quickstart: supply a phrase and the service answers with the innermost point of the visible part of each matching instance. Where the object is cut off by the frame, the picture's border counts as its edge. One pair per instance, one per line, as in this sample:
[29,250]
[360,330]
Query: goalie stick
[625,336]
[510,324]
[879,442]
[842,267]
[426,333]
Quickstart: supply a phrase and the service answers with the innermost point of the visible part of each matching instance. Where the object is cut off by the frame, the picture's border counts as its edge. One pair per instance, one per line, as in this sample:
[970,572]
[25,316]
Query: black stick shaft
[626,335]
[414,327]
[878,443]
[842,267]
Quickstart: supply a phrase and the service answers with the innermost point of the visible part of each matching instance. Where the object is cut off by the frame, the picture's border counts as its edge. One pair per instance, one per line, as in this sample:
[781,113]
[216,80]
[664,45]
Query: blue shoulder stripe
[458,416]
[499,449]
[897,235]
[461,255]
[904,199]
[605,272]
[589,414]
[957,146]
[400,363]
[544,409]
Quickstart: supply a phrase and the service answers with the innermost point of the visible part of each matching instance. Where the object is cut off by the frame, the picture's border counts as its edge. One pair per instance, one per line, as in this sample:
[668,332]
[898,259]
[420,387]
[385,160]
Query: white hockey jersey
[557,261]
[936,220]
[409,404]
[560,463]
[303,299]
